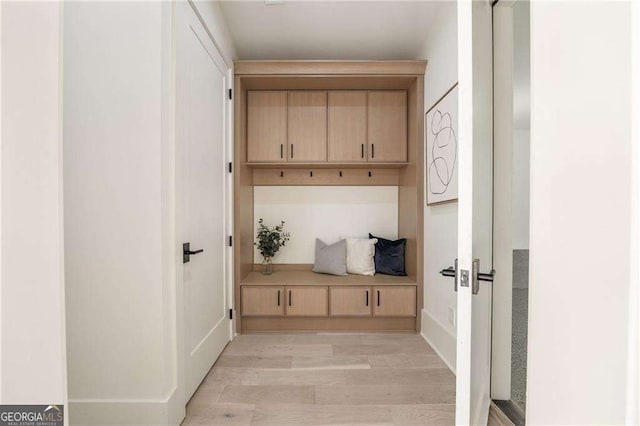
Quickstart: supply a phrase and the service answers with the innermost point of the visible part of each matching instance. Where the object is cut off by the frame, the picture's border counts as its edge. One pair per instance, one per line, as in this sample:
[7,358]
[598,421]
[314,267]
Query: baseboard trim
[166,411]
[440,339]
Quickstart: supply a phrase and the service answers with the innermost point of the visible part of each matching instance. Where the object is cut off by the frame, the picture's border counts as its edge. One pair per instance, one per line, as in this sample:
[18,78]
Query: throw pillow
[389,257]
[331,259]
[360,252]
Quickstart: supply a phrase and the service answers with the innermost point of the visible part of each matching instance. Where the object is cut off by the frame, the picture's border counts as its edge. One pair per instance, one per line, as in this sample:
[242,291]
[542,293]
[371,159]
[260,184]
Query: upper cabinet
[307,118]
[341,126]
[266,126]
[387,126]
[347,126]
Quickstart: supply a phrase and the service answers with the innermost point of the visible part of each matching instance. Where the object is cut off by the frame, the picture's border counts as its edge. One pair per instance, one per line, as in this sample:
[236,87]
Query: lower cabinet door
[395,301]
[311,301]
[350,301]
[262,301]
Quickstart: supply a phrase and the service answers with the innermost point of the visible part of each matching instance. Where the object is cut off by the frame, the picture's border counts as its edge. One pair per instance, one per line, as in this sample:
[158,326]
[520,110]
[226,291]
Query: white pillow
[360,252]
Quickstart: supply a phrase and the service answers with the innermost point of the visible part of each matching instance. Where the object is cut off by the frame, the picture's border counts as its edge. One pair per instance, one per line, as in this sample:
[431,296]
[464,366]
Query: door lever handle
[187,252]
[451,272]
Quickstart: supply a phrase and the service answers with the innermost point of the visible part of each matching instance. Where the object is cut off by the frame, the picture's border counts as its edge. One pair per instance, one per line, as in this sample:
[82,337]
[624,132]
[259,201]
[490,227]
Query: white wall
[32,352]
[521,123]
[120,232]
[440,221]
[325,212]
[520,188]
[112,137]
[580,212]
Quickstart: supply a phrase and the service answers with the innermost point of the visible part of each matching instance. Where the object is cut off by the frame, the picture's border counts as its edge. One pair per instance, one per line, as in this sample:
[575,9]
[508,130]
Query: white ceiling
[329,29]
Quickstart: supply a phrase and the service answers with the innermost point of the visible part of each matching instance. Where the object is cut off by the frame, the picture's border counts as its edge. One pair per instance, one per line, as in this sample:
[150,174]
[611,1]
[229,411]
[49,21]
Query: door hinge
[230,167]
[230,94]
[230,313]
[230,240]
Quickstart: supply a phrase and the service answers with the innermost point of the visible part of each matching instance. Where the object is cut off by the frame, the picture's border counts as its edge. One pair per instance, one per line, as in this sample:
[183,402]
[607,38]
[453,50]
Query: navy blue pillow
[389,257]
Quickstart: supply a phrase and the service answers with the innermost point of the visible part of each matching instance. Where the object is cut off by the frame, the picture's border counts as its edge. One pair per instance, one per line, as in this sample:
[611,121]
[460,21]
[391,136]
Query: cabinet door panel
[307,118]
[350,301]
[396,301]
[387,126]
[262,301]
[310,301]
[347,124]
[266,126]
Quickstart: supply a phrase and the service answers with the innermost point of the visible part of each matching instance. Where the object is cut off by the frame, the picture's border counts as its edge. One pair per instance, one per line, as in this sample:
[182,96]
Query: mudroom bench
[301,300]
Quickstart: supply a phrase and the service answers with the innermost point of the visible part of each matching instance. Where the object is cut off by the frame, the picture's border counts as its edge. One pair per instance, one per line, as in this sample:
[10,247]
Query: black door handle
[186,252]
[367,298]
[378,297]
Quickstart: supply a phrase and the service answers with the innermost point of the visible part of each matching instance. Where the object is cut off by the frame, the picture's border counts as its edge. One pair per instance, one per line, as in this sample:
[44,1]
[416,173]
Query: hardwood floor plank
[204,398]
[251,361]
[300,350]
[330,362]
[301,377]
[393,376]
[314,415]
[432,414]
[267,394]
[406,361]
[385,395]
[382,349]
[223,414]
[233,376]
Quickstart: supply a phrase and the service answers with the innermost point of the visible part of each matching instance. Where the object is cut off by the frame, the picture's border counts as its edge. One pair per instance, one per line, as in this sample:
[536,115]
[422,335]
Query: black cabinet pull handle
[367,298]
[378,297]
[278,297]
[289,297]
[291,150]
[281,150]
[373,151]
[362,151]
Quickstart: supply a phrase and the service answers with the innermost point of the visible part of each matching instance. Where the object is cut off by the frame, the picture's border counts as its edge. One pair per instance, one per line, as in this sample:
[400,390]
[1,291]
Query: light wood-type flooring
[325,379]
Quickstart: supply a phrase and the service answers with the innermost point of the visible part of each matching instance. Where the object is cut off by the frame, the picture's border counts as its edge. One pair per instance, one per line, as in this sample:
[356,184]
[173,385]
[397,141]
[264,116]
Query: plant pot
[267,266]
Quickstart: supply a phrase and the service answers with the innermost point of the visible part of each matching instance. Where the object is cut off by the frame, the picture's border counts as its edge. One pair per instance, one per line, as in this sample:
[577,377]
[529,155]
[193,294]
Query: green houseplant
[269,241]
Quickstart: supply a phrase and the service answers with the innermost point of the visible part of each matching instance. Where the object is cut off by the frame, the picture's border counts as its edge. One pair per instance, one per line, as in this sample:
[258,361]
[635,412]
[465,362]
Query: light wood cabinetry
[397,301]
[347,126]
[350,301]
[387,125]
[306,301]
[266,126]
[262,301]
[307,126]
[330,127]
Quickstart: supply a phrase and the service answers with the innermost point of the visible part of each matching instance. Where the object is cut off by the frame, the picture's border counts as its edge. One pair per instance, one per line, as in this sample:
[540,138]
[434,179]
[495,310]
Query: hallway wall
[120,212]
[581,212]
[32,350]
[440,221]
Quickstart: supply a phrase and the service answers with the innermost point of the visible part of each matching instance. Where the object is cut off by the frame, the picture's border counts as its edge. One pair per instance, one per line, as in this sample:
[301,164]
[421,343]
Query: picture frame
[441,149]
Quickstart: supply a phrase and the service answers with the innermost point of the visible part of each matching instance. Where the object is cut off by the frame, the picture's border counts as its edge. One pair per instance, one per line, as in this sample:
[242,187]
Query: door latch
[476,276]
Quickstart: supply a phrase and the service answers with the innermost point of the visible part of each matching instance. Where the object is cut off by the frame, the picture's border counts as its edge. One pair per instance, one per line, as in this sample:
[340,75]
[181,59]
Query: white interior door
[475,180]
[201,105]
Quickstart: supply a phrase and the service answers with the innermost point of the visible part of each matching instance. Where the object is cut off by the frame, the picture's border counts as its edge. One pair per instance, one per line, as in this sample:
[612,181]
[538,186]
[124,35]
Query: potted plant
[269,241]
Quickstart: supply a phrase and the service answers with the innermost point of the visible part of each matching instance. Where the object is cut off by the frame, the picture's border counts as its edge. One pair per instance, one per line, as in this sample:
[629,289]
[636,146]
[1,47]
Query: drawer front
[350,301]
[262,301]
[312,301]
[396,301]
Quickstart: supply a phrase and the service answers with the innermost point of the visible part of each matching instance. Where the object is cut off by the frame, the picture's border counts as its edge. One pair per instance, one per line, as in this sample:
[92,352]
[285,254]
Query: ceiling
[329,29]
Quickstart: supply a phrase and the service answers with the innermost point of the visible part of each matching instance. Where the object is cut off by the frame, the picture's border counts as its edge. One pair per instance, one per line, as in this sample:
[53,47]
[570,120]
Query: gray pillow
[331,259]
